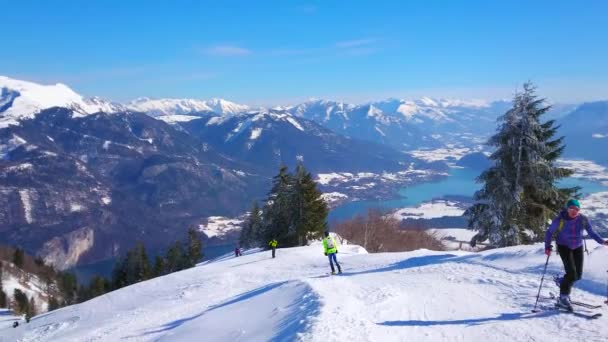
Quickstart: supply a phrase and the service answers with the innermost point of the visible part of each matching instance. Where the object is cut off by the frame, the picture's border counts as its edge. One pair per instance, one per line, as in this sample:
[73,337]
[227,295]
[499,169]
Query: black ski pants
[573,265]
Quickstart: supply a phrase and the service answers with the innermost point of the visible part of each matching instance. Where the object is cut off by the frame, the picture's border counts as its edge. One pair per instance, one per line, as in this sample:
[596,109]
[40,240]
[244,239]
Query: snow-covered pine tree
[519,193]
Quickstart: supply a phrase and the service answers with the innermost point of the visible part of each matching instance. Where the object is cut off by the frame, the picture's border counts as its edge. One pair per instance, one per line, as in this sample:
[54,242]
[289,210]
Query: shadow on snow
[303,308]
[472,321]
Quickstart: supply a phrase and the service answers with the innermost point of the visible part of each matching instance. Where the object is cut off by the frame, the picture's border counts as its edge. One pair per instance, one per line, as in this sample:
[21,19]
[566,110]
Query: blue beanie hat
[573,202]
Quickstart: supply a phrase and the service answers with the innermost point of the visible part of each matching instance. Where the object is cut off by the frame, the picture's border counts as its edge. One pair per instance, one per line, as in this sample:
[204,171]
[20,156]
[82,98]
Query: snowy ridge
[160,107]
[22,100]
[415,296]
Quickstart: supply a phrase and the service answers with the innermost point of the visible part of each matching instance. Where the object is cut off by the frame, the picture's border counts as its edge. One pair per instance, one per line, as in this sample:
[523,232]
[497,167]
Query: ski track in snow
[411,296]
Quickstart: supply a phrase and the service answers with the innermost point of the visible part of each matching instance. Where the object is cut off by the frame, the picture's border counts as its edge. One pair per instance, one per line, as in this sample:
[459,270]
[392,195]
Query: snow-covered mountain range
[401,123]
[22,100]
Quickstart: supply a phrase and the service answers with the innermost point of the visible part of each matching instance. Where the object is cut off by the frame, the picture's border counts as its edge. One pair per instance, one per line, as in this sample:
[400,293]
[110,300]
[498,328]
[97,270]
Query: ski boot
[563,302]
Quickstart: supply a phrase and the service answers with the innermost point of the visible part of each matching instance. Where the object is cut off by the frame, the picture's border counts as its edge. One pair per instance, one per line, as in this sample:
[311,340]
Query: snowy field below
[410,296]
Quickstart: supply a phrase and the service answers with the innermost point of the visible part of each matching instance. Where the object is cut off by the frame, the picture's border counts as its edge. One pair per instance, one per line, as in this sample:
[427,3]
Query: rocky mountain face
[273,138]
[81,189]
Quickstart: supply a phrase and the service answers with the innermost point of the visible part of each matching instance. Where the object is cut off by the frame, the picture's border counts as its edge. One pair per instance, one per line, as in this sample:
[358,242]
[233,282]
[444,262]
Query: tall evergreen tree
[21,302]
[53,304]
[84,293]
[119,274]
[98,286]
[277,223]
[159,266]
[195,247]
[3,299]
[18,257]
[31,310]
[310,211]
[250,234]
[519,194]
[68,285]
[132,268]
[175,258]
[143,269]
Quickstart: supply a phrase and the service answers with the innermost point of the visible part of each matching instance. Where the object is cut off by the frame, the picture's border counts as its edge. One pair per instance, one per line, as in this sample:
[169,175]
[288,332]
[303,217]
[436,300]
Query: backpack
[561,226]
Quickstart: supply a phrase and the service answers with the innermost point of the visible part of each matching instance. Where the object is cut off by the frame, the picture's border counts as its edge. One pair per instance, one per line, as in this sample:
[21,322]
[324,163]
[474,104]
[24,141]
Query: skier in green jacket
[273,245]
[330,248]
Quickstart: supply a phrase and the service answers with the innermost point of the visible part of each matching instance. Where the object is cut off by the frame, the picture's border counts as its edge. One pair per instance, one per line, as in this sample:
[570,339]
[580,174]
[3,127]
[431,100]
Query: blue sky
[278,52]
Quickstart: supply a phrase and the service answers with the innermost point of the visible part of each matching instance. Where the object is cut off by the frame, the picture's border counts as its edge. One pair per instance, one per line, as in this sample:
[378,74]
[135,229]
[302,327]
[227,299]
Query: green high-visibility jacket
[273,243]
[329,245]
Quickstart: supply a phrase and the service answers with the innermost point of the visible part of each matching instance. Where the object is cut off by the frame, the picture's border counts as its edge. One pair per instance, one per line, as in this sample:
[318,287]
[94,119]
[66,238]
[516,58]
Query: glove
[336,252]
[606,242]
[325,254]
[548,250]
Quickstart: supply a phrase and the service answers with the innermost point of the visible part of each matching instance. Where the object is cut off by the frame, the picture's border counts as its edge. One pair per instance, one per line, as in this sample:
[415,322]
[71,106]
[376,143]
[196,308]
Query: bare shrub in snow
[377,232]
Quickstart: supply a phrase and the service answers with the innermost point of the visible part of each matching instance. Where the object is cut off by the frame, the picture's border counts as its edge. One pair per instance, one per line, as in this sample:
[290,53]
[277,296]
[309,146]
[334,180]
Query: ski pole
[541,283]
[606,302]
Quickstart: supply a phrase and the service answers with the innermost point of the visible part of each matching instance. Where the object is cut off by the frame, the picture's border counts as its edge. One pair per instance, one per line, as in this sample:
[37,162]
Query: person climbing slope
[330,248]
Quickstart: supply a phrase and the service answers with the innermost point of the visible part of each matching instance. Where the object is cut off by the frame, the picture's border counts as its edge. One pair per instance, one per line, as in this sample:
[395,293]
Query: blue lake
[460,182]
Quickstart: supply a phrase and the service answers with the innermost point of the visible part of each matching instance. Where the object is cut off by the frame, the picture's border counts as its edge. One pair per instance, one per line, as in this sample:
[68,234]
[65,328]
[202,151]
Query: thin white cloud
[356,47]
[227,51]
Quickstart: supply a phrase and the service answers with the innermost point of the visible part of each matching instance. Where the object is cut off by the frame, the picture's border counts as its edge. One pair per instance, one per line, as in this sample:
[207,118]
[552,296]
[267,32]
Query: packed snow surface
[412,296]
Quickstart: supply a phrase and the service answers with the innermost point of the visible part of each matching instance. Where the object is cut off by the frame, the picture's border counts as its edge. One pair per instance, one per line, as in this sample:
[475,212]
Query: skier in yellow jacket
[273,245]
[330,248]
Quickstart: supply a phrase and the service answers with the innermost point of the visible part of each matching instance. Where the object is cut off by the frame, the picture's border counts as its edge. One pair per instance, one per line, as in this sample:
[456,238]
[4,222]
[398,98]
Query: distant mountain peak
[28,98]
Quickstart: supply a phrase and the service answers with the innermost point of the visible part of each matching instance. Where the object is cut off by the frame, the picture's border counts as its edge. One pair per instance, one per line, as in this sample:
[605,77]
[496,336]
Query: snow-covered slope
[22,99]
[414,296]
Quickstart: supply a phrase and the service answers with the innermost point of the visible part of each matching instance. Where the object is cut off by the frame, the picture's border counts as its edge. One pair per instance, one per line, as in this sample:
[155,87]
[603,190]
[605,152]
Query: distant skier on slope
[330,248]
[567,228]
[273,245]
